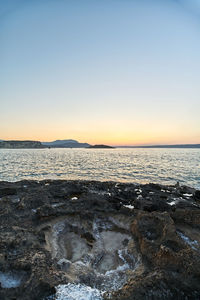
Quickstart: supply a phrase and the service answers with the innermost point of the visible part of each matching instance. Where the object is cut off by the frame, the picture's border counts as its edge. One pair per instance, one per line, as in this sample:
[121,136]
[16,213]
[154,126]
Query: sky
[120,72]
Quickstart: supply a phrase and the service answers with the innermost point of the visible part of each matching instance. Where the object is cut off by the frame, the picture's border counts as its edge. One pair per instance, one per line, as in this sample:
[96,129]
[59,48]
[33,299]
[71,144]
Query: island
[100,147]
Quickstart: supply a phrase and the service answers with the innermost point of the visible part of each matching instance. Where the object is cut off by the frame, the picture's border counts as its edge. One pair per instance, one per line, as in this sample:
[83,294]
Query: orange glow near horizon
[111,130]
[111,138]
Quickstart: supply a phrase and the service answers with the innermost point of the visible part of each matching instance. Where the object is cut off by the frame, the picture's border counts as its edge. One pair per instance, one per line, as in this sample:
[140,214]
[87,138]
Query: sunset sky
[121,72]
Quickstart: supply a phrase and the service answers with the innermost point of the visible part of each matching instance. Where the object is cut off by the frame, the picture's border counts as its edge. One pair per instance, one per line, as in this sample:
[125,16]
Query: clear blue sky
[101,71]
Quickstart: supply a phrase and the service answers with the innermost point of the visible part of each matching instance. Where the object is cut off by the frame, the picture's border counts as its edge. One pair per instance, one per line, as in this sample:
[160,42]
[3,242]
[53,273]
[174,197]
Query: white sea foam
[188,195]
[129,206]
[73,291]
[138,191]
[172,203]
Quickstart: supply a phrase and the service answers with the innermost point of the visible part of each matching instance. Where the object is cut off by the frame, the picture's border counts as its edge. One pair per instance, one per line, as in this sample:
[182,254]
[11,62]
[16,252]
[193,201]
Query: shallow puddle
[11,279]
[96,253]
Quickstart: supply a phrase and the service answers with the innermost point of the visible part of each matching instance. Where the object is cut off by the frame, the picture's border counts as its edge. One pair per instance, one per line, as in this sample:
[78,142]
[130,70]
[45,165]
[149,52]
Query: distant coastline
[21,145]
[164,146]
[17,144]
[65,144]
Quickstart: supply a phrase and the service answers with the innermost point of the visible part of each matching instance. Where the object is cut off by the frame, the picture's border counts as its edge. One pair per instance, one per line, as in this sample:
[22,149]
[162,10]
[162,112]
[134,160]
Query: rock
[131,241]
[157,238]
[5,191]
[197,196]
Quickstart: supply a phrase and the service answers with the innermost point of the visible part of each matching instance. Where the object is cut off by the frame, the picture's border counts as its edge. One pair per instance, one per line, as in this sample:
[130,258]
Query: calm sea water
[165,166]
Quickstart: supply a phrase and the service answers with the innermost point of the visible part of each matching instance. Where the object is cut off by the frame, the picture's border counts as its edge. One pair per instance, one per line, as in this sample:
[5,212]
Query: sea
[137,165]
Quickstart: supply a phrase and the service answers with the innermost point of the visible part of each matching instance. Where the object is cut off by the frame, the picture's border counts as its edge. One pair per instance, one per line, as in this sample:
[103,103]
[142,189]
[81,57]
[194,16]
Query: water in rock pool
[98,255]
[11,279]
[165,166]
[72,291]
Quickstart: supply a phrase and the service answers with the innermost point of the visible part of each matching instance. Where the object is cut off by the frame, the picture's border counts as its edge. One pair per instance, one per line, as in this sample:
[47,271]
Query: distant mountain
[65,144]
[164,146]
[101,147]
[21,145]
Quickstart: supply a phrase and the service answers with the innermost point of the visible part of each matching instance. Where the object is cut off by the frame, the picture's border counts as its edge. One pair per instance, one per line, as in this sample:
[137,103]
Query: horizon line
[114,145]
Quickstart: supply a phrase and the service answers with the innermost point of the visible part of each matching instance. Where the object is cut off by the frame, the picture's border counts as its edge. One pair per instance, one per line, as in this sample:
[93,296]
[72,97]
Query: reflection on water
[165,166]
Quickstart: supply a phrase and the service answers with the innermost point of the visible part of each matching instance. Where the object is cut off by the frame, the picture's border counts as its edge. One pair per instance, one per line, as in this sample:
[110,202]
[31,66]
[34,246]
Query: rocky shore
[98,240]
[21,145]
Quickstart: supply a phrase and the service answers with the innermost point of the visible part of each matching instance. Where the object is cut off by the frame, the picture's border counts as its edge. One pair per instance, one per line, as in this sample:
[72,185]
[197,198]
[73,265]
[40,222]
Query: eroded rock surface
[98,240]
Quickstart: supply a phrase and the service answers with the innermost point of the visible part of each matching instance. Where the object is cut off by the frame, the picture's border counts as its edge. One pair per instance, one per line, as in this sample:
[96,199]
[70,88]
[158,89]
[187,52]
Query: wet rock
[189,216]
[112,240]
[157,285]
[6,191]
[197,195]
